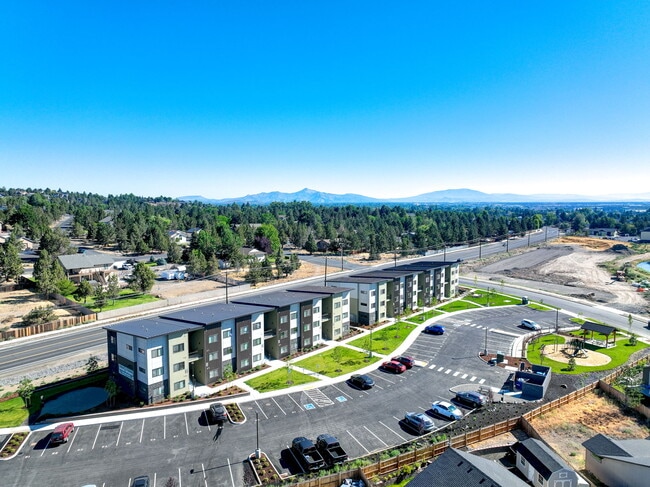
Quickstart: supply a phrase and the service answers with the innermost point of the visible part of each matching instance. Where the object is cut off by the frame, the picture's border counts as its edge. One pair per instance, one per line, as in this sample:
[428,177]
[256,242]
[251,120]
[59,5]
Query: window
[227,351]
[257,342]
[257,325]
[522,460]
[179,366]
[226,333]
[337,305]
[363,304]
[158,391]
[316,309]
[212,338]
[345,315]
[213,373]
[179,347]
[337,318]
[382,291]
[306,313]
[243,347]
[179,385]
[540,479]
[316,338]
[345,302]
[283,334]
[294,330]
[307,342]
[372,293]
[129,347]
[306,327]
[257,357]
[112,340]
[294,315]
[364,292]
[382,303]
[316,324]
[142,370]
[156,352]
[141,350]
[113,357]
[213,356]
[157,372]
[243,330]
[245,362]
[284,319]
[284,349]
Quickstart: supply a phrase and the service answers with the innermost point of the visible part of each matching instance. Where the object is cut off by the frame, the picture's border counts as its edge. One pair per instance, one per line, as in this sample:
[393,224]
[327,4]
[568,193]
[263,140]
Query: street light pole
[258,452]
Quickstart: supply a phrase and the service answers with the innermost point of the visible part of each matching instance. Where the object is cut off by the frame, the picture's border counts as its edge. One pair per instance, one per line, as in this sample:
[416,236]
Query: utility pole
[258,452]
[226,272]
[326,270]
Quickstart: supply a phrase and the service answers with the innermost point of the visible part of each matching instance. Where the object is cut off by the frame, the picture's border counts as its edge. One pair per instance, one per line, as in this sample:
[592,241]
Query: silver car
[531,325]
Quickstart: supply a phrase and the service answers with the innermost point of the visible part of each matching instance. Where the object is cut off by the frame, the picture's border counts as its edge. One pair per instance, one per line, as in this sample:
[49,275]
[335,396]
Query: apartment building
[335,309]
[368,298]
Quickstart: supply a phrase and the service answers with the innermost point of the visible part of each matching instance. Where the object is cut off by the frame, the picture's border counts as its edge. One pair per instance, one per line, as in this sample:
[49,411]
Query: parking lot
[184,446]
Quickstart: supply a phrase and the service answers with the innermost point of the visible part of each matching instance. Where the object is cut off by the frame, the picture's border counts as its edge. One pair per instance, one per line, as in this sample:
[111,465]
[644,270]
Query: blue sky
[385,99]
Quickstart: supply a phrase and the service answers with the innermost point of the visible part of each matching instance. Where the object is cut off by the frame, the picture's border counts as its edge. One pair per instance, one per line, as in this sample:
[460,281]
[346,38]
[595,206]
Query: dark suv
[217,413]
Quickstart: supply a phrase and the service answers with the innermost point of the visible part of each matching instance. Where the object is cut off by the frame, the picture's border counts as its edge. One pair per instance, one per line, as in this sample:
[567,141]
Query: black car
[141,481]
[471,398]
[217,413]
[361,381]
[405,360]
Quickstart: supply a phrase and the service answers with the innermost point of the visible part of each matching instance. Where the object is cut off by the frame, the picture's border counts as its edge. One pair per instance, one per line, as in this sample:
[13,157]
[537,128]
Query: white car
[531,325]
[446,410]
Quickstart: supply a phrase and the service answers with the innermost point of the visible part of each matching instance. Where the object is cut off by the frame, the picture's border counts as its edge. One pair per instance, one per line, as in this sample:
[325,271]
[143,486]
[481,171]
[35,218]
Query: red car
[61,433]
[394,367]
[405,360]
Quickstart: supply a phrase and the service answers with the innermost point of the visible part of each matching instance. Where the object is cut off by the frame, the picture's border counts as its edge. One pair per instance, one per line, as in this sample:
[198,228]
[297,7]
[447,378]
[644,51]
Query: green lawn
[127,298]
[484,298]
[385,340]
[12,413]
[541,307]
[337,361]
[426,316]
[458,305]
[619,354]
[279,379]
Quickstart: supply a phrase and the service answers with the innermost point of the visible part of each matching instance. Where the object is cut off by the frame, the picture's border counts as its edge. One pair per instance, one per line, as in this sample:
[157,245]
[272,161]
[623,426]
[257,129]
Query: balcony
[326,317]
[195,355]
[269,334]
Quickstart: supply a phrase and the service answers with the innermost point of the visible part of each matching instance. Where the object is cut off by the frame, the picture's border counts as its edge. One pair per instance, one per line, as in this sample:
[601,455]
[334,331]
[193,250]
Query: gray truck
[331,450]
[307,454]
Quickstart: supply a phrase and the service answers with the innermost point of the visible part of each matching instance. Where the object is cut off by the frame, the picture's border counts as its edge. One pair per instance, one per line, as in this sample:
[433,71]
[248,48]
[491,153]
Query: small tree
[111,389]
[113,289]
[25,391]
[142,279]
[84,290]
[572,364]
[100,297]
[92,364]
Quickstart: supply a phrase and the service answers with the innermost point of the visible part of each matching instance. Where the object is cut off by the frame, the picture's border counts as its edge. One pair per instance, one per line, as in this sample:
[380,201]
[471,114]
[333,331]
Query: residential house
[603,232]
[644,235]
[91,266]
[618,462]
[456,468]
[543,467]
[179,237]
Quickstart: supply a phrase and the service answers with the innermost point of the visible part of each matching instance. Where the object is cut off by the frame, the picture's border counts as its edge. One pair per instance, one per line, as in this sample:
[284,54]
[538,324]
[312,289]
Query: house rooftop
[544,460]
[85,261]
[630,451]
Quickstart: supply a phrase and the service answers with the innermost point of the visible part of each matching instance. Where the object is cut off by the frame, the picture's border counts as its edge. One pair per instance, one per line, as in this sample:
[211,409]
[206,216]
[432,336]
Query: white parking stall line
[187,428]
[203,470]
[380,440]
[432,366]
[387,380]
[180,480]
[164,427]
[355,439]
[342,392]
[205,417]
[473,378]
[481,381]
[276,403]
[155,477]
[46,447]
[440,369]
[295,402]
[119,434]
[393,431]
[447,371]
[73,438]
[142,430]
[261,410]
[232,479]
[464,376]
[456,374]
[503,332]
[96,436]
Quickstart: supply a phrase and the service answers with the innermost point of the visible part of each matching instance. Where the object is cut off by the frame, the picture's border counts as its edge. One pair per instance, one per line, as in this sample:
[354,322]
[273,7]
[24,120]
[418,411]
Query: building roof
[456,468]
[629,451]
[598,328]
[393,273]
[278,299]
[213,313]
[425,265]
[86,260]
[151,327]
[544,460]
[358,280]
[330,290]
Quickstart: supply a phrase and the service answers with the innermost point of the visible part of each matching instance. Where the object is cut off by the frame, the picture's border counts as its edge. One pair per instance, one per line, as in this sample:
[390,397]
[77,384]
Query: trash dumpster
[524,300]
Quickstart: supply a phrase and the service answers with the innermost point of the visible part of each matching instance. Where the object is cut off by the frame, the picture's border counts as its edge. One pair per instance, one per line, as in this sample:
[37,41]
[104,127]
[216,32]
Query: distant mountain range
[448,196]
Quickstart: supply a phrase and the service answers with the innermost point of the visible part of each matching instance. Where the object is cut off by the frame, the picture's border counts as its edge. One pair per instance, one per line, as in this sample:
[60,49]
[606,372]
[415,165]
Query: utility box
[524,300]
[500,357]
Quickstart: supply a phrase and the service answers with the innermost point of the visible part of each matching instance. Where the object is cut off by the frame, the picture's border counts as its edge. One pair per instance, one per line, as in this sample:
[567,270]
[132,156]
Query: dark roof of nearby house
[213,313]
[456,468]
[151,327]
[629,451]
[598,328]
[85,261]
[320,289]
[544,460]
[278,299]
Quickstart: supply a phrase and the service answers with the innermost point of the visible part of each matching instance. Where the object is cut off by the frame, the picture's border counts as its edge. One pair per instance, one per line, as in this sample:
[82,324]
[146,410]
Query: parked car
[420,422]
[446,410]
[434,329]
[471,398]
[217,412]
[306,454]
[531,325]
[405,360]
[394,367]
[61,433]
[142,481]
[331,450]
[361,381]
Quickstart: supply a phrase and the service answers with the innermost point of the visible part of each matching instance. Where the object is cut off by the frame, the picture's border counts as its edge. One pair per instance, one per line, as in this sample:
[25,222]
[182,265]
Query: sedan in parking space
[217,412]
[434,329]
[405,360]
[141,481]
[420,422]
[531,325]
[446,410]
[361,381]
[471,398]
[394,367]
